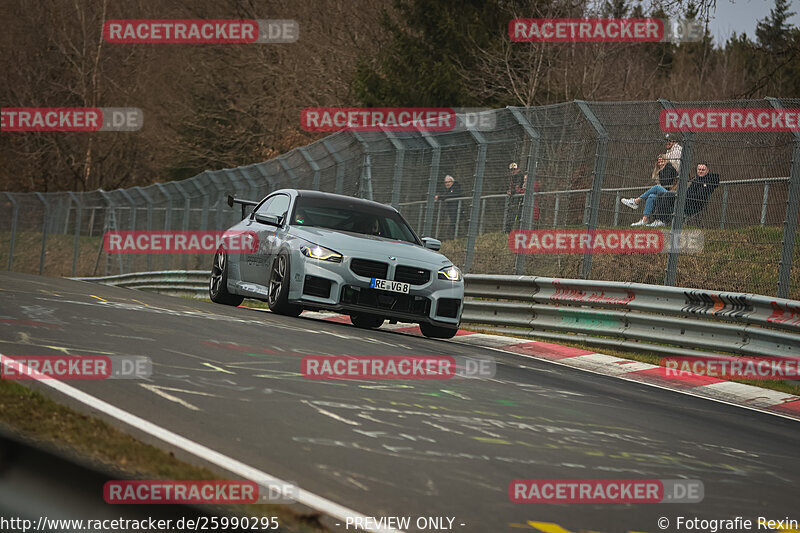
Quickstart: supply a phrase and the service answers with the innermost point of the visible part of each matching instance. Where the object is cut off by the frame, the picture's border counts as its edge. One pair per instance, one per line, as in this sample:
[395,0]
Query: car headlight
[321,253]
[450,273]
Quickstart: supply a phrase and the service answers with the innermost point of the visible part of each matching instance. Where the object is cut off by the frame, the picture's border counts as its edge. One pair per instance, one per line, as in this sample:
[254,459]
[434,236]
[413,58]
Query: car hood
[370,247]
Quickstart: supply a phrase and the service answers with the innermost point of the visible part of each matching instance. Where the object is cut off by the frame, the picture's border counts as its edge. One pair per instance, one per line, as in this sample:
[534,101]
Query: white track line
[697,392]
[231,465]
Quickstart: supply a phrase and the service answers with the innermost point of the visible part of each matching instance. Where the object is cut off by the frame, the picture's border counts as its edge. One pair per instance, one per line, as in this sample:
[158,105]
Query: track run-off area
[227,390]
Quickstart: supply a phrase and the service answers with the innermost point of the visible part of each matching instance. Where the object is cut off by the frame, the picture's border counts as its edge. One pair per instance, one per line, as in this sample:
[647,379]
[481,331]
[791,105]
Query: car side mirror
[430,242]
[271,220]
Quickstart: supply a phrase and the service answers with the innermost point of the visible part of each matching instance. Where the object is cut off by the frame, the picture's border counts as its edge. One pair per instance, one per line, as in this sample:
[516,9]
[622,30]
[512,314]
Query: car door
[257,265]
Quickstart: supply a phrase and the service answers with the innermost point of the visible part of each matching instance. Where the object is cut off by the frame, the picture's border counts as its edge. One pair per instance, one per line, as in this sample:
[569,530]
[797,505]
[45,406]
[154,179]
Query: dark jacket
[697,194]
[667,176]
[454,191]
[699,191]
[515,183]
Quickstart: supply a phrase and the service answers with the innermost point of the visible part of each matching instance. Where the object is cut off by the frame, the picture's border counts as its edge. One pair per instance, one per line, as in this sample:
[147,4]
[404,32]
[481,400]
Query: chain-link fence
[575,162]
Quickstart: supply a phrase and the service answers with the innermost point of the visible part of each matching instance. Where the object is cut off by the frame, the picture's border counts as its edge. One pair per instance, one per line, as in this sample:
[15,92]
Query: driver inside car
[374,227]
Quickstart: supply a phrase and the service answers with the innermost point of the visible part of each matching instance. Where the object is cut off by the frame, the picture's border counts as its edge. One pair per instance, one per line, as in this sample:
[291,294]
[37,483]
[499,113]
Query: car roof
[303,193]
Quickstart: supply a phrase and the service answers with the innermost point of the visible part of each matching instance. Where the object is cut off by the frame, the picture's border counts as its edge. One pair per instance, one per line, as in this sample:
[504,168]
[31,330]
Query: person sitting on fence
[700,189]
[665,177]
[674,151]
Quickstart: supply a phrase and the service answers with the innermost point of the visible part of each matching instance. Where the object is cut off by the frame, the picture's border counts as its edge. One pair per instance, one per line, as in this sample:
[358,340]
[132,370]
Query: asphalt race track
[229,379]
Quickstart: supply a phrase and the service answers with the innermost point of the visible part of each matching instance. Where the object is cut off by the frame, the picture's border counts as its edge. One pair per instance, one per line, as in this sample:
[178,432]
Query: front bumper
[334,286]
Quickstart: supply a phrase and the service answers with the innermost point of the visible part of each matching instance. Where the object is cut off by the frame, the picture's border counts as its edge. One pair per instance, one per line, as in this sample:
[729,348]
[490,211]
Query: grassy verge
[90,260]
[36,418]
[741,259]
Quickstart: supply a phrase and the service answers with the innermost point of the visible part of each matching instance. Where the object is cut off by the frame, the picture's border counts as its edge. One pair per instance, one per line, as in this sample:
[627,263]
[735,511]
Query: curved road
[229,378]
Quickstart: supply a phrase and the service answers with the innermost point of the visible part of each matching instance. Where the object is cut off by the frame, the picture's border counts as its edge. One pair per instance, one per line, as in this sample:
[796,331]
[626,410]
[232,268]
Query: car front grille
[385,300]
[412,275]
[369,269]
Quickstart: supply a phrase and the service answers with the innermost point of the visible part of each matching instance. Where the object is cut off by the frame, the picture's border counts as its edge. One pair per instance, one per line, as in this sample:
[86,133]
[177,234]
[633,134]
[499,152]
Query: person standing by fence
[516,186]
[452,189]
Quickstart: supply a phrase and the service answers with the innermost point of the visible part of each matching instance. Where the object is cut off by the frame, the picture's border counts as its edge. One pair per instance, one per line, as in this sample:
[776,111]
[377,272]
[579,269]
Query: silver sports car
[327,251]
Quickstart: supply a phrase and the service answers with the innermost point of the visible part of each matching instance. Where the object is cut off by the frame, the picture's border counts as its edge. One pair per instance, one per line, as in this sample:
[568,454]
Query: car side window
[278,206]
[262,209]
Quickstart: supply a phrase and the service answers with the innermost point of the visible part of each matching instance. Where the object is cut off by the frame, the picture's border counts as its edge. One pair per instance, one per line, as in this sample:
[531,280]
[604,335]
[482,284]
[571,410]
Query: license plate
[387,285]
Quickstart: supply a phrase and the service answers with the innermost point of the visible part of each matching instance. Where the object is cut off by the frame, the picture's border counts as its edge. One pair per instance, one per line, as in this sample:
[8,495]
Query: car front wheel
[437,332]
[218,284]
[278,295]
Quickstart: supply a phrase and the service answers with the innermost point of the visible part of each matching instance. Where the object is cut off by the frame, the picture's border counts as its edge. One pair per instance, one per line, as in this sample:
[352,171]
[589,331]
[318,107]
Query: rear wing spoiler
[245,203]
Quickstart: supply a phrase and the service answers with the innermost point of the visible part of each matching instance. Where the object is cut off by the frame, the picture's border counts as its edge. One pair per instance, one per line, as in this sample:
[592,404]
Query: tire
[437,332]
[218,284]
[366,321]
[278,287]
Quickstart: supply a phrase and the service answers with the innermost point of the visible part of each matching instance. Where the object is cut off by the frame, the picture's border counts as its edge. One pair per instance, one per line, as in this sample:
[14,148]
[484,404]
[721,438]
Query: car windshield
[354,217]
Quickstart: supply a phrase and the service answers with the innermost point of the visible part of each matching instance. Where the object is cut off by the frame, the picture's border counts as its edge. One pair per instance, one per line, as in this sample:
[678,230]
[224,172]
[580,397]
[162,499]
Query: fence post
[764,202]
[187,205]
[399,160]
[167,218]
[109,207]
[251,185]
[671,273]
[597,182]
[45,217]
[339,165]
[790,219]
[286,168]
[205,195]
[314,166]
[149,201]
[14,216]
[477,192]
[132,224]
[555,210]
[269,179]
[432,177]
[724,207]
[529,200]
[219,221]
[365,181]
[66,217]
[76,240]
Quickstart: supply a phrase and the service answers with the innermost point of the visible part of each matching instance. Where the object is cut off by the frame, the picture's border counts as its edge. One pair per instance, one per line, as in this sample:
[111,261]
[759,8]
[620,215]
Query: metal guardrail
[655,318]
[184,283]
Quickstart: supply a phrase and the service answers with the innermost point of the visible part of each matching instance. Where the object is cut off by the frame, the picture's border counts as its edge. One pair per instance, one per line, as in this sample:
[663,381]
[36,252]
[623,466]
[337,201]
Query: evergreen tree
[772,33]
[432,43]
[779,53]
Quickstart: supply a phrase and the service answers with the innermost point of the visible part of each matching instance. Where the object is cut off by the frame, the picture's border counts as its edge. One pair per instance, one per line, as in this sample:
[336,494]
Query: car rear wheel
[366,321]
[278,295]
[218,284]
[437,332]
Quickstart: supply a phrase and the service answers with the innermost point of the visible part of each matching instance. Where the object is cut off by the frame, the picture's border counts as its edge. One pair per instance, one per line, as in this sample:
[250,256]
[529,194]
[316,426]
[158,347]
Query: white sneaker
[640,223]
[630,202]
[656,224]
